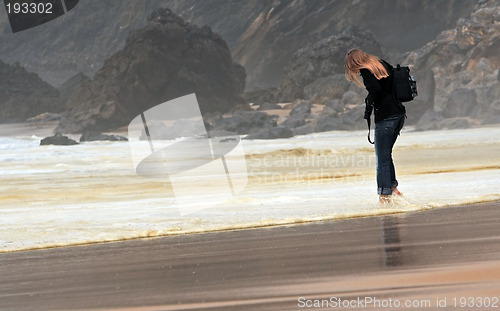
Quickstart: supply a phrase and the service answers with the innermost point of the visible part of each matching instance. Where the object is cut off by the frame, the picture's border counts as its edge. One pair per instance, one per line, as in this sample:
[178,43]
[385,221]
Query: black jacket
[380,96]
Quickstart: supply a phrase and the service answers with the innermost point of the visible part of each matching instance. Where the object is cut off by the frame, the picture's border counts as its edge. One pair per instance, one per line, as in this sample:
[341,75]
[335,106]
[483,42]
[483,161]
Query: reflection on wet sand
[392,241]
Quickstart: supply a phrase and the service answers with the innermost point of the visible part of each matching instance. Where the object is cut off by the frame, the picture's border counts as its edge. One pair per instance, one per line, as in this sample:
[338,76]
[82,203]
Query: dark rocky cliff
[284,26]
[323,60]
[297,45]
[77,42]
[24,95]
[262,34]
[166,59]
[459,70]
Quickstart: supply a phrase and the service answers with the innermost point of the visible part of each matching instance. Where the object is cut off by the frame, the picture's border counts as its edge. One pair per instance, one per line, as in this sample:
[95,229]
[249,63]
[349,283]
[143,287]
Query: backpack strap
[369,123]
[368,116]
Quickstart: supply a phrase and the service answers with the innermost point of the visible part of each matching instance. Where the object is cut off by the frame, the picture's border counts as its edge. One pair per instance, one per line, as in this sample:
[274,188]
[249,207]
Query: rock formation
[262,34]
[458,72]
[318,69]
[166,59]
[88,136]
[71,85]
[298,43]
[59,140]
[282,27]
[243,122]
[24,95]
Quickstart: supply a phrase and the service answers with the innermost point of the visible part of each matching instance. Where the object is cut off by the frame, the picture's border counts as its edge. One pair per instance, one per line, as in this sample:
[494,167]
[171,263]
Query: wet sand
[444,253]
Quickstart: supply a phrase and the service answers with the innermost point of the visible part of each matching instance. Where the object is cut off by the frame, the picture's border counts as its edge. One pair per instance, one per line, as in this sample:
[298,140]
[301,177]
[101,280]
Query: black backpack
[404,84]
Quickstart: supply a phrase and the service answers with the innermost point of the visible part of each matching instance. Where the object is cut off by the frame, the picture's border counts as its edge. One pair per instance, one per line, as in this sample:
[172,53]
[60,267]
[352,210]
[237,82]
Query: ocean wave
[399,205]
[59,196]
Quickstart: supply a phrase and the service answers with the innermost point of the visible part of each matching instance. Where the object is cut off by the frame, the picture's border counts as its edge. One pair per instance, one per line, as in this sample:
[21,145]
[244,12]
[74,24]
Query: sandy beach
[420,256]
[432,257]
[244,177]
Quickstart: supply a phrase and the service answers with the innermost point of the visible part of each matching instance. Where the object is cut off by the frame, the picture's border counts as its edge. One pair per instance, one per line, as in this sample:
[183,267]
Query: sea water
[67,195]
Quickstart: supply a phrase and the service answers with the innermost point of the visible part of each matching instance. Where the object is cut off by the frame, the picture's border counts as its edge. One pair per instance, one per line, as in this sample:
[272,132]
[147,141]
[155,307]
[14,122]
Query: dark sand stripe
[446,252]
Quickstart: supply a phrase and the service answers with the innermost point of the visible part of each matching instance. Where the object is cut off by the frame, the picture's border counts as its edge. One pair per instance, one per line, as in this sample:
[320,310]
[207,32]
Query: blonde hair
[356,60]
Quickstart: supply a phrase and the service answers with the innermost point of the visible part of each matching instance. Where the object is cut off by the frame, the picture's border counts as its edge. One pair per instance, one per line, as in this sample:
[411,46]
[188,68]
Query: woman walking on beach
[389,114]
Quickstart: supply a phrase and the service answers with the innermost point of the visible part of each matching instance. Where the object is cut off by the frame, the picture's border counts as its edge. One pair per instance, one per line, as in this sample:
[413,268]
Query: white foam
[55,196]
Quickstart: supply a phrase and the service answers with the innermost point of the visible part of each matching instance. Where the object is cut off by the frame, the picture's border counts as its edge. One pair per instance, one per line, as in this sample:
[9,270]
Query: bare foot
[396,191]
[384,199]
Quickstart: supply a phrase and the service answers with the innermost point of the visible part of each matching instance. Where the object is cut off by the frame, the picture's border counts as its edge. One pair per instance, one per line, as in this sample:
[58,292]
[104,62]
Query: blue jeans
[386,133]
